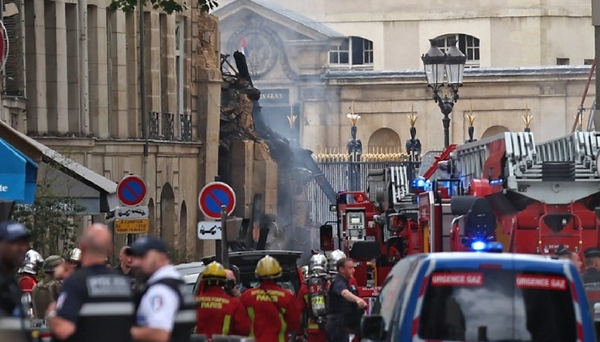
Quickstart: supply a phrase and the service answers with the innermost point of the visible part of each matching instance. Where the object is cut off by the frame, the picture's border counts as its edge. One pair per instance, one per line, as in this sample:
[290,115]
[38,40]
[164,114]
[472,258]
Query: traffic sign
[131,190]
[209,230]
[213,196]
[138,226]
[131,212]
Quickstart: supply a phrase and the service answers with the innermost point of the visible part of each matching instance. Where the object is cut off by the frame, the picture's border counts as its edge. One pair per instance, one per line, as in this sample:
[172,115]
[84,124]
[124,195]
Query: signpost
[216,201]
[131,218]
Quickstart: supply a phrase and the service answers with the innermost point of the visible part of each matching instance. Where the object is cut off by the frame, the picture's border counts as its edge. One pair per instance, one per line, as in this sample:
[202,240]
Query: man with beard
[14,242]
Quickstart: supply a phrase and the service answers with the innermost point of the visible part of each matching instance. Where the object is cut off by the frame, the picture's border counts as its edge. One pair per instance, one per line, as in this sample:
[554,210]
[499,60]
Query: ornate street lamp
[354,147]
[440,67]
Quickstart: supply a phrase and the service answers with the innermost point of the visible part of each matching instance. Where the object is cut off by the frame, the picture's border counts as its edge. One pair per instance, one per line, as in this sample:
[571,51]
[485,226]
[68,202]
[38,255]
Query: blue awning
[18,175]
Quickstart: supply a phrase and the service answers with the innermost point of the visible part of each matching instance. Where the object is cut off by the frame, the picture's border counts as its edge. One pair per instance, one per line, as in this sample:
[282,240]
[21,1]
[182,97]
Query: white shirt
[160,303]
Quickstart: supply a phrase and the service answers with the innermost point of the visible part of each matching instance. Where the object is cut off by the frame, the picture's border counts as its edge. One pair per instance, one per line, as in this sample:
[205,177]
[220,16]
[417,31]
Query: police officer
[14,241]
[272,309]
[165,311]
[95,304]
[344,304]
[592,265]
[46,291]
[218,312]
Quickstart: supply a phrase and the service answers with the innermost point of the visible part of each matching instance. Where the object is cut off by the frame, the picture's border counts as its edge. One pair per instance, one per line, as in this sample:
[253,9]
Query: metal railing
[162,126]
[185,127]
[337,175]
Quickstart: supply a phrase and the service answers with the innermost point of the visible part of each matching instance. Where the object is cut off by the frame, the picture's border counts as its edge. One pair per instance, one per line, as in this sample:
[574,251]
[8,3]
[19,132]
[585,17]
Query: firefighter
[567,254]
[272,309]
[314,298]
[46,291]
[592,265]
[29,271]
[345,305]
[218,312]
[69,265]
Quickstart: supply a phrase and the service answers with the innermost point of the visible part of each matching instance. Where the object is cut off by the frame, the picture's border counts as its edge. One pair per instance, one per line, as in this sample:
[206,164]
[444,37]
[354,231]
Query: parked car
[481,297]
[190,272]
[246,262]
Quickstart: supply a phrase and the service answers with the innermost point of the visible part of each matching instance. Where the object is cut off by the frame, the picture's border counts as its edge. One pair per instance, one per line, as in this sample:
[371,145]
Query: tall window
[353,52]
[469,45]
[179,61]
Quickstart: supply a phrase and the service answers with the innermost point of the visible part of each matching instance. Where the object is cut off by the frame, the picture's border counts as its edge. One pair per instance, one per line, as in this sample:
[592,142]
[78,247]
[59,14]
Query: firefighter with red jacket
[219,313]
[28,272]
[314,301]
[272,309]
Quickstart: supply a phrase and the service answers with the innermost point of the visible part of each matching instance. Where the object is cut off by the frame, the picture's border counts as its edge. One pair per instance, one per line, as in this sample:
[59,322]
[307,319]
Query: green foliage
[51,219]
[168,6]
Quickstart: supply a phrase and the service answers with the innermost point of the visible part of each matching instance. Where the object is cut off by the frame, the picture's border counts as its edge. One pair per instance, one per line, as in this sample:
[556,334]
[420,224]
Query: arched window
[469,45]
[353,52]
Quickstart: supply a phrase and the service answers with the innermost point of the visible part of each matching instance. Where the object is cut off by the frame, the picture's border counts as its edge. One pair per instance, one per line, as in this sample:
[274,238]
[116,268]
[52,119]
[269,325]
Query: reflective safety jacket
[273,312]
[221,314]
[27,282]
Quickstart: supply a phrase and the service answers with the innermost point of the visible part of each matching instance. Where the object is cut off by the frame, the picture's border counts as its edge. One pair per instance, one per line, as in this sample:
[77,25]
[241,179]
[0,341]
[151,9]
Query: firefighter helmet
[334,257]
[74,255]
[268,268]
[32,263]
[304,270]
[317,264]
[214,271]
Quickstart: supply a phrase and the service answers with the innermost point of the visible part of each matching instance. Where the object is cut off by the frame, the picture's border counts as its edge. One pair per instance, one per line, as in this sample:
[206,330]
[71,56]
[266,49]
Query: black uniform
[341,313]
[99,302]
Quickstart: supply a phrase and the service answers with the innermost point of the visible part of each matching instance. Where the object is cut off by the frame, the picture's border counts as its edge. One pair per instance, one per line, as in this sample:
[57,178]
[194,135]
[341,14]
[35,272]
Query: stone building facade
[314,60]
[75,88]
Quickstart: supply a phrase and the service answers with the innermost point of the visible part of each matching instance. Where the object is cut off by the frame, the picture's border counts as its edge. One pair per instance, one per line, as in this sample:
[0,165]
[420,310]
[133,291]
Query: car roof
[189,268]
[508,260]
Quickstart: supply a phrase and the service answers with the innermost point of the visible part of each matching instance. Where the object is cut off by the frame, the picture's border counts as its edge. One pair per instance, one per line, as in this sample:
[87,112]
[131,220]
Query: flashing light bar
[483,246]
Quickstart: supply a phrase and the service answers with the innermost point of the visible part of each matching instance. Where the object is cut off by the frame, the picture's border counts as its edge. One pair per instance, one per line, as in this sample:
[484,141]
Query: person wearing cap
[14,243]
[218,312]
[592,265]
[125,259]
[567,254]
[272,309]
[165,311]
[95,304]
[46,291]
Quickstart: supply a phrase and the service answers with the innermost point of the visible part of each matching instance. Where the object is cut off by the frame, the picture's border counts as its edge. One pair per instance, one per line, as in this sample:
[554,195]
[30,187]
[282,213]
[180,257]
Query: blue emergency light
[483,246]
[419,185]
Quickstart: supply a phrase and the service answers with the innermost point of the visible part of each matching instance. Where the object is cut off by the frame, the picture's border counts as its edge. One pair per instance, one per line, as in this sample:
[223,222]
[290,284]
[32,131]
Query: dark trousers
[335,330]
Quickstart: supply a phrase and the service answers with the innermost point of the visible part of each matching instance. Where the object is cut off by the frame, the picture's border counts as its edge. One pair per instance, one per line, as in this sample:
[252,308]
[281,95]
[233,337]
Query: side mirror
[332,208]
[372,328]
[396,222]
[326,237]
[597,312]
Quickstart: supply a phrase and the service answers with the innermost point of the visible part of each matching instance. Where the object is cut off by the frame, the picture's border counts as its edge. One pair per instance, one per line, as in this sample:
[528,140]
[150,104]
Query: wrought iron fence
[337,174]
[168,126]
[185,127]
[154,125]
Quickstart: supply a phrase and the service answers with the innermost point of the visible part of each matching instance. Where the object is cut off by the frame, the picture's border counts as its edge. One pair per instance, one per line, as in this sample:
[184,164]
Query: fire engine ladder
[579,149]
[519,150]
[400,185]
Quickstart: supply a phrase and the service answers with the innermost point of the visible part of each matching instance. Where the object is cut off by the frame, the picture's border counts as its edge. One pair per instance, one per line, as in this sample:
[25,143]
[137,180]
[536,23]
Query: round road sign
[131,190]
[213,196]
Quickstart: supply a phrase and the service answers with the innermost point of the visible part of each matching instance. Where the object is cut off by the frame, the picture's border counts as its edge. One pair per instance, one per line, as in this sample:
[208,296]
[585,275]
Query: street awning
[94,191]
[18,175]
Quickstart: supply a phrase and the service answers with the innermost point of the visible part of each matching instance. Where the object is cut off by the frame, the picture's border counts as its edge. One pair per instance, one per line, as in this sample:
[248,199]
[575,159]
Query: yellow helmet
[214,271]
[268,268]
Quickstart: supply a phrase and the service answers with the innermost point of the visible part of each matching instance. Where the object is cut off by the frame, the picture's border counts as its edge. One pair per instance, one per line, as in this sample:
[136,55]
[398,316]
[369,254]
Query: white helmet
[317,264]
[334,257]
[33,262]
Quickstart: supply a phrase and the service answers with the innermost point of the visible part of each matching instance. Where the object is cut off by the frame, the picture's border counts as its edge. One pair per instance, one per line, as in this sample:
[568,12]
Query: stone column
[58,121]
[208,84]
[131,87]
[98,72]
[35,31]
